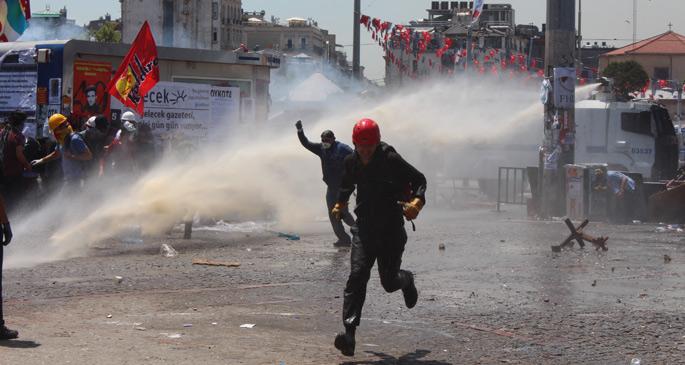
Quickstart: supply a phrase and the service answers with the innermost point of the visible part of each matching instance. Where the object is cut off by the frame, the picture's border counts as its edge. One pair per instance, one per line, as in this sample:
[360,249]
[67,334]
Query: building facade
[494,39]
[200,24]
[301,42]
[662,56]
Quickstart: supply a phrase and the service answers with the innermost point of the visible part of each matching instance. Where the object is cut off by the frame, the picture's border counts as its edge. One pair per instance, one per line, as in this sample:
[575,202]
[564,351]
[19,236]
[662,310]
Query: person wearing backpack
[72,150]
[389,190]
[14,162]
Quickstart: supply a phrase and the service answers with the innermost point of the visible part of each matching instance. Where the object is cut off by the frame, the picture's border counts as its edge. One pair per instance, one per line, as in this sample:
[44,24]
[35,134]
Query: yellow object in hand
[338,209]
[412,209]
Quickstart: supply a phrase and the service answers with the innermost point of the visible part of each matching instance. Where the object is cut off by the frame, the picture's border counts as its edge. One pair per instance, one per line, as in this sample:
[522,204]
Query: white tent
[316,88]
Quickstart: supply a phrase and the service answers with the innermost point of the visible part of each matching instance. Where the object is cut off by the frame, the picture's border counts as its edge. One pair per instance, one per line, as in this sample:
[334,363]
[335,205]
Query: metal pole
[499,187]
[468,47]
[580,36]
[356,41]
[560,47]
[634,22]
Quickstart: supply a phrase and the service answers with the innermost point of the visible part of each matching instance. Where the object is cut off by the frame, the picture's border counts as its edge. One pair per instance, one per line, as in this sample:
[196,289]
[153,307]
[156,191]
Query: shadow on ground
[414,358]
[19,344]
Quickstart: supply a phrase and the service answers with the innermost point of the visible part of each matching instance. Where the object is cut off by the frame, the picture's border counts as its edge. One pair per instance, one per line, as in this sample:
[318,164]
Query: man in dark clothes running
[332,153]
[388,188]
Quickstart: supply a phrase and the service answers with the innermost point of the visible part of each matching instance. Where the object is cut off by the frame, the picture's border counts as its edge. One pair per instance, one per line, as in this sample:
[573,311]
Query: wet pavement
[495,294]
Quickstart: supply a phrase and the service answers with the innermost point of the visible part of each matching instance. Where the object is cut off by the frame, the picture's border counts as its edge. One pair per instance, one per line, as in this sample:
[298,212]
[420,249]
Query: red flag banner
[138,73]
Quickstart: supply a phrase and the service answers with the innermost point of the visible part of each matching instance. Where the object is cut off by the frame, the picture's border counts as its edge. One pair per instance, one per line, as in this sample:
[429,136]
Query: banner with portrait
[90,89]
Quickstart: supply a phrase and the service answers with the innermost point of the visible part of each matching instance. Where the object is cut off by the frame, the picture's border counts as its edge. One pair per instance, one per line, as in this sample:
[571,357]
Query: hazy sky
[602,19]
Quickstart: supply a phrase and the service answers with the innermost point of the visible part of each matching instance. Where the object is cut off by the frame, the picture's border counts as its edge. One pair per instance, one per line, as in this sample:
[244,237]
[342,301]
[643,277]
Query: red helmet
[366,133]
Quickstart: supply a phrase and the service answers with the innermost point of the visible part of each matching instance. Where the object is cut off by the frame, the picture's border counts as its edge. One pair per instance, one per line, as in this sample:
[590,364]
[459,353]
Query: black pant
[14,191]
[2,319]
[387,248]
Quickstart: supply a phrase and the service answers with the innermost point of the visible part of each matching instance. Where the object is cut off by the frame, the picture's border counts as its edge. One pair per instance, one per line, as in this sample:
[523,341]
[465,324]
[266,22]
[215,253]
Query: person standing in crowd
[95,136]
[14,162]
[72,149]
[5,239]
[332,153]
[388,188]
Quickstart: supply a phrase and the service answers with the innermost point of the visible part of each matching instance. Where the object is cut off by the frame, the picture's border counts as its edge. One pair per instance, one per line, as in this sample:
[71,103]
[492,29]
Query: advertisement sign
[564,87]
[18,91]
[90,89]
[183,116]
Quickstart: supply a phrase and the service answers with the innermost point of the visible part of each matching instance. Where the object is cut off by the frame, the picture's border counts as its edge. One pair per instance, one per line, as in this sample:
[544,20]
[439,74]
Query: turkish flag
[138,73]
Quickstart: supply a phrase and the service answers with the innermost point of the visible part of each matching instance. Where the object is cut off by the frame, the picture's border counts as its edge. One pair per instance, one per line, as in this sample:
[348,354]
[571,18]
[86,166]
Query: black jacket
[387,179]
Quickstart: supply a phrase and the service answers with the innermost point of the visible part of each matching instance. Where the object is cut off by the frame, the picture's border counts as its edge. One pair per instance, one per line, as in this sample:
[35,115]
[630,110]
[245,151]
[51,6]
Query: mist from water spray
[265,172]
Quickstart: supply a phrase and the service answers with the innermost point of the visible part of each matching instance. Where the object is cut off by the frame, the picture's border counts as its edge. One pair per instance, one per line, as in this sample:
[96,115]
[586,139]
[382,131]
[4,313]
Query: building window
[303,42]
[215,36]
[168,23]
[662,73]
[290,44]
[215,11]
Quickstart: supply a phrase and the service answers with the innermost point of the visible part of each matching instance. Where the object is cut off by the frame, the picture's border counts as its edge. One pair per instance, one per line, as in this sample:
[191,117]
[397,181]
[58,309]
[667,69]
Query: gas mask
[326,145]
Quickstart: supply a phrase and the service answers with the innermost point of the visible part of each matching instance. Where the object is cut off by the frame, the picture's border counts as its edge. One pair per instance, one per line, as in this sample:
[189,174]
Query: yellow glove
[338,209]
[412,209]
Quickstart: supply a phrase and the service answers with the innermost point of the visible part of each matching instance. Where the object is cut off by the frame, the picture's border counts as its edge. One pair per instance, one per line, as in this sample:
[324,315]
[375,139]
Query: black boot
[411,295]
[345,342]
[7,334]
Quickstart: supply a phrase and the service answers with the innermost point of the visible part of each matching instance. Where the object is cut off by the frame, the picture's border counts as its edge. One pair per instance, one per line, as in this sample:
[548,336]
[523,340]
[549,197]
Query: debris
[643,295]
[635,361]
[667,259]
[247,325]
[472,295]
[140,328]
[663,228]
[502,241]
[214,323]
[612,269]
[637,222]
[167,251]
[441,247]
[187,325]
[119,279]
[174,335]
[579,236]
[287,236]
[109,316]
[594,283]
[215,263]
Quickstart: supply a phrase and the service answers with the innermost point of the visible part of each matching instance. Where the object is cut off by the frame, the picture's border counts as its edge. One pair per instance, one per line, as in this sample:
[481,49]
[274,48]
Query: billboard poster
[18,92]
[564,87]
[90,89]
[183,116]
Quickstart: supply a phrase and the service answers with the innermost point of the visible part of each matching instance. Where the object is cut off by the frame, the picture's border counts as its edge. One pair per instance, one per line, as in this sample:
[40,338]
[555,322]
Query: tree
[107,33]
[628,76]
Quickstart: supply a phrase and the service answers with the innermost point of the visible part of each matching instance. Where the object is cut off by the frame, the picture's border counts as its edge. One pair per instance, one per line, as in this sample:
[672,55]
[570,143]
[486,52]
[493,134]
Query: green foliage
[107,33]
[628,76]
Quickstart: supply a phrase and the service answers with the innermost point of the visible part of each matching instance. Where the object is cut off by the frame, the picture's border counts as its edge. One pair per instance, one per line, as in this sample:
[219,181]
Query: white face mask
[326,145]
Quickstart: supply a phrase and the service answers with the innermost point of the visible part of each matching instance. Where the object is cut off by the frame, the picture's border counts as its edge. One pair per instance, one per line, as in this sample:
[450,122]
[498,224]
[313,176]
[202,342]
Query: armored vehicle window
[640,123]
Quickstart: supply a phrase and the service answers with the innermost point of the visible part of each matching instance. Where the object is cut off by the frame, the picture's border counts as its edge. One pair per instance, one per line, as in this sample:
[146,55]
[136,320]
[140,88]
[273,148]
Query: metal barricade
[511,186]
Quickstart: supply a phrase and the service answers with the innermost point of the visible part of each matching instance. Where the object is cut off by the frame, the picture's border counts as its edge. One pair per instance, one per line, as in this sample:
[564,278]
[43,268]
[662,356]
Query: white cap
[128,116]
[91,122]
